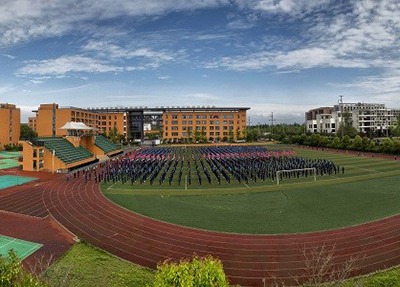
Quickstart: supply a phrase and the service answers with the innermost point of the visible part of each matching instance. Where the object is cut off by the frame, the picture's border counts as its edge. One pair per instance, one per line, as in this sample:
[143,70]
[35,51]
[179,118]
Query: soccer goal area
[295,173]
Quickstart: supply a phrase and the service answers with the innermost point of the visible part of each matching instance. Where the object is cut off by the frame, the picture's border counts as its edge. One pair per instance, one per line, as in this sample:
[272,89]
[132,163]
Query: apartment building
[10,121]
[203,123]
[364,117]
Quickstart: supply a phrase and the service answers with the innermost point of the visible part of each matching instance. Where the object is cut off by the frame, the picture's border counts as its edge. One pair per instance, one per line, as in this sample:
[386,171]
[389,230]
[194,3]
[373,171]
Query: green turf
[86,266]
[21,248]
[11,180]
[9,154]
[369,190]
[6,163]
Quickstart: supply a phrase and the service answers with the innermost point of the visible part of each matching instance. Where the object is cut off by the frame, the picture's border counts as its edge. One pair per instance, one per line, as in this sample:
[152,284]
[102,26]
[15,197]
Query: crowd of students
[214,164]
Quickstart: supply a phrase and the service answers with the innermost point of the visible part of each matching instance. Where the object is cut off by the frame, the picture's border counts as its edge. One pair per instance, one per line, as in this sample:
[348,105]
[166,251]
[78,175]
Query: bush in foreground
[12,274]
[199,271]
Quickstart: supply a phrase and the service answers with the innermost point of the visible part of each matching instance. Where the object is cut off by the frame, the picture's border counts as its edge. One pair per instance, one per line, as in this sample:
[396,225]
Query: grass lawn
[369,190]
[88,266]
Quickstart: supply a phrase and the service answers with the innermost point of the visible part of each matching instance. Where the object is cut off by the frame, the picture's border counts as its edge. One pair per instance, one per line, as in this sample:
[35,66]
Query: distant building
[32,123]
[364,117]
[173,124]
[10,121]
[204,123]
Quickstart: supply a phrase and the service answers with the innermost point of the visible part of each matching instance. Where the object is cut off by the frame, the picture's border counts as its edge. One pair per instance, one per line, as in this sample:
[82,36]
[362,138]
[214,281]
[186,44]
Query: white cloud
[9,56]
[164,77]
[22,20]
[361,34]
[294,7]
[383,87]
[108,49]
[65,65]
[6,89]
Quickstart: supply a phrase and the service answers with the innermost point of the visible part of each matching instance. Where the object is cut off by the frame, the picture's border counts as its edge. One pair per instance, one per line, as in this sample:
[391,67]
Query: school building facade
[175,124]
[51,117]
[206,124]
[10,121]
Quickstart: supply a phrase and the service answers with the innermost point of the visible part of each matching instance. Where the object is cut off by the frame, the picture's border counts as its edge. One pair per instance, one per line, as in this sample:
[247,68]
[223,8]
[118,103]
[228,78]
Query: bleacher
[66,151]
[104,144]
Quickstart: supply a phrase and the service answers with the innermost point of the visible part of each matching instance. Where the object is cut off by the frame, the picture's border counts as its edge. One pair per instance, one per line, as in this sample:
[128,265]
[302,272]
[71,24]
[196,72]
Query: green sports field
[21,248]
[369,190]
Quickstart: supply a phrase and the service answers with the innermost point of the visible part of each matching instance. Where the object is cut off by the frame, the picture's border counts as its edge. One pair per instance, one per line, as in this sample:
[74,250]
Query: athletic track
[81,208]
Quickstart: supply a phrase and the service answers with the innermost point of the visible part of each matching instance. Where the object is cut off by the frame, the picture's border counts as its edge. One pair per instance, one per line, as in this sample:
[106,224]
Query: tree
[26,133]
[395,131]
[335,142]
[114,135]
[199,271]
[12,274]
[346,126]
[357,143]
[387,145]
[346,142]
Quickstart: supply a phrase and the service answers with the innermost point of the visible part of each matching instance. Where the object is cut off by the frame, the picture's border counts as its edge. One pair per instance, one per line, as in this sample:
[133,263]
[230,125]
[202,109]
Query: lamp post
[52,161]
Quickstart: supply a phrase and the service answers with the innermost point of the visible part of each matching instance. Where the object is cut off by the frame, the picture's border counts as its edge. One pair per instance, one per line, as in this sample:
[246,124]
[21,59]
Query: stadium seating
[104,144]
[65,151]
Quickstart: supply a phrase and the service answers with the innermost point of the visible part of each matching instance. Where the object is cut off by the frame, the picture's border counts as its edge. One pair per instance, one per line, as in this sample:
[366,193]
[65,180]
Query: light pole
[52,160]
[341,115]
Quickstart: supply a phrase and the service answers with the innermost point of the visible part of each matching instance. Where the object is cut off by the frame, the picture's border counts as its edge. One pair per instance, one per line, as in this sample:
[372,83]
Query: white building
[364,117]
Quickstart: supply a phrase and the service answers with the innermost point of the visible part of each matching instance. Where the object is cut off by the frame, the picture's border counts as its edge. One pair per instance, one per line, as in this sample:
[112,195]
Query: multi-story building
[364,117]
[109,121]
[50,118]
[32,123]
[203,123]
[10,121]
[176,123]
[321,120]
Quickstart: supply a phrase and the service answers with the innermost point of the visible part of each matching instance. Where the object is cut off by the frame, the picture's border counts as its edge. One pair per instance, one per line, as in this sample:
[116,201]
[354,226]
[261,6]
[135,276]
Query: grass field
[368,190]
[87,266]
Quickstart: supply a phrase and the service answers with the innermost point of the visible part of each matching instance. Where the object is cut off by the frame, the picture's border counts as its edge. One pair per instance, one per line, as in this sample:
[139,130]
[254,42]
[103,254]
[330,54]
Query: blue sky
[280,56]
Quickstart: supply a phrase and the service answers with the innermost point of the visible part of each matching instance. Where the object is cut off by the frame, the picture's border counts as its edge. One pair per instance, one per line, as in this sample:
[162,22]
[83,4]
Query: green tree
[346,126]
[357,143]
[387,145]
[26,133]
[395,130]
[346,141]
[199,271]
[336,142]
[365,143]
[12,274]
[114,135]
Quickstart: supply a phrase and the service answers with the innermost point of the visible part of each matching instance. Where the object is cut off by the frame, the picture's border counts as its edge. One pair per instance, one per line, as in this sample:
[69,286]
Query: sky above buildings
[280,56]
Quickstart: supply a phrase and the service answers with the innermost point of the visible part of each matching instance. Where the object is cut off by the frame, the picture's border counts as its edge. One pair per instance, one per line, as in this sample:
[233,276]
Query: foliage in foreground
[199,271]
[13,275]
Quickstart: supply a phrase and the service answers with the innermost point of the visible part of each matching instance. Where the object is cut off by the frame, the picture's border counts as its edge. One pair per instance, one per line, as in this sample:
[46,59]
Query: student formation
[205,165]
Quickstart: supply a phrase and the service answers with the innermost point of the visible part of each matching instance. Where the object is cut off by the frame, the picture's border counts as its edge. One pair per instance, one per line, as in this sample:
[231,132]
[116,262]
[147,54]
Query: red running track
[247,259]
